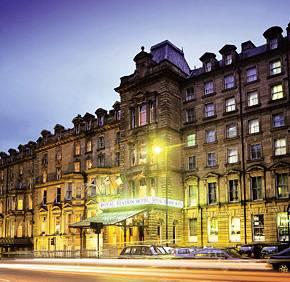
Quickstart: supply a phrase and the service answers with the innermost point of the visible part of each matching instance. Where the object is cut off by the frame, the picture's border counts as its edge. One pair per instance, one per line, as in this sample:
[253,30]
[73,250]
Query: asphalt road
[84,273]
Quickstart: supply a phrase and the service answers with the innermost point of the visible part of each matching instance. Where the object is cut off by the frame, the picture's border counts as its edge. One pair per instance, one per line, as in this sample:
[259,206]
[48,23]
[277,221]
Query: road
[17,271]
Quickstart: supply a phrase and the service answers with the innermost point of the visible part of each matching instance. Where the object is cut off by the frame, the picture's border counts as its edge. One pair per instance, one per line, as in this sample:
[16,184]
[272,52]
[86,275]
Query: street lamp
[157,150]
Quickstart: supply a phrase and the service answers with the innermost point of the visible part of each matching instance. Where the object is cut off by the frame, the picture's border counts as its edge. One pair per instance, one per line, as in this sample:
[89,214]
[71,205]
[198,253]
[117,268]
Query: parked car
[214,253]
[267,251]
[144,251]
[281,261]
[251,250]
[184,252]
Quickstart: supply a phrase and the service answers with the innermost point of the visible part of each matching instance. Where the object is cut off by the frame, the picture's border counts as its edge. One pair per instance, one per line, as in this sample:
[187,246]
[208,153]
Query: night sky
[60,58]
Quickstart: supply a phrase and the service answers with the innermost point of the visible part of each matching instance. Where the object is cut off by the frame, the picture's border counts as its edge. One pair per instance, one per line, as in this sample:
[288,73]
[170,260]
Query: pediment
[255,167]
[280,165]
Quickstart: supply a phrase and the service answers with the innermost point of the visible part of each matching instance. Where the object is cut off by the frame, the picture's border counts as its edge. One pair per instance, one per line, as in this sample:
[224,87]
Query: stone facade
[220,175]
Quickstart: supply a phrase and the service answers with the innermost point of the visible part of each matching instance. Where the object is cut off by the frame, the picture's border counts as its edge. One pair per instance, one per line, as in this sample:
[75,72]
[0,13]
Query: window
[208,66]
[77,166]
[77,128]
[251,74]
[255,152]
[278,120]
[192,226]
[280,147]
[133,154]
[152,111]
[89,146]
[212,193]
[192,195]
[230,104]
[258,227]
[58,155]
[273,43]
[228,59]
[142,154]
[282,185]
[44,198]
[191,140]
[282,227]
[233,190]
[191,163]
[58,173]
[210,136]
[101,160]
[235,229]
[44,176]
[256,187]
[57,224]
[118,137]
[20,170]
[153,187]
[231,130]
[101,142]
[20,203]
[275,67]
[208,87]
[189,115]
[142,115]
[253,98]
[88,164]
[254,126]
[209,110]
[58,195]
[189,93]
[229,81]
[117,159]
[88,125]
[118,114]
[68,193]
[78,191]
[212,230]
[277,92]
[101,121]
[77,149]
[133,118]
[232,156]
[211,159]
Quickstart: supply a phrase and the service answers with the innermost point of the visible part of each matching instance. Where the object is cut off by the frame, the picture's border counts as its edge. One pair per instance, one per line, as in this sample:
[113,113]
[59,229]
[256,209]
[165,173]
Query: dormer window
[78,129]
[189,94]
[118,115]
[228,59]
[88,125]
[208,66]
[273,43]
[101,121]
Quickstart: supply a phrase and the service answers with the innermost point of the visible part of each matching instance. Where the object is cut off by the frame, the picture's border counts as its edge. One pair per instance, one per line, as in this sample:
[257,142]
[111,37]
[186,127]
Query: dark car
[251,250]
[214,253]
[144,251]
[281,261]
[267,251]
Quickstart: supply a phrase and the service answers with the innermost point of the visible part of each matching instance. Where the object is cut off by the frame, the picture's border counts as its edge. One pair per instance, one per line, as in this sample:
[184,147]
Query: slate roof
[165,50]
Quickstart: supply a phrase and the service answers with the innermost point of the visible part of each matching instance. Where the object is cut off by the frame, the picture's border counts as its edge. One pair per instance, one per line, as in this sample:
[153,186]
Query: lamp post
[157,150]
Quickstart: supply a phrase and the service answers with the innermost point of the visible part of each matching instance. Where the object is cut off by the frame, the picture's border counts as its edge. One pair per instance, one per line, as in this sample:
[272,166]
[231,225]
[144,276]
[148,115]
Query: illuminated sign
[141,202]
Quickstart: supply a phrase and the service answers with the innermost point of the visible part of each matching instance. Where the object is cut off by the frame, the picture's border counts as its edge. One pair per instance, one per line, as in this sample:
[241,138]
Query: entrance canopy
[107,218]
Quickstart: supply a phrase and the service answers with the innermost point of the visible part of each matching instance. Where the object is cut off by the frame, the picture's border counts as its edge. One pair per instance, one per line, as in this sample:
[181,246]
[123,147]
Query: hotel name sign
[141,202]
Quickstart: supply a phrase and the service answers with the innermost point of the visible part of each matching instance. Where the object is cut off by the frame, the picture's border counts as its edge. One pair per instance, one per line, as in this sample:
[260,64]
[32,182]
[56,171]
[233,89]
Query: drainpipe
[243,156]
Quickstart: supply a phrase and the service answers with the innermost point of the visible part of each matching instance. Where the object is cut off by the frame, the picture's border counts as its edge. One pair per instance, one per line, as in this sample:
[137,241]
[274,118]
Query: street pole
[166,196]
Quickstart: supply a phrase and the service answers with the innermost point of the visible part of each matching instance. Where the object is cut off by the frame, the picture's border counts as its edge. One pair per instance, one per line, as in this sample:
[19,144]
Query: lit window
[208,66]
[88,164]
[77,149]
[235,229]
[228,59]
[77,166]
[211,159]
[229,81]
[142,154]
[89,146]
[78,191]
[278,120]
[256,187]
[253,98]
[258,228]
[232,156]
[280,147]
[191,163]
[282,185]
[20,204]
[282,227]
[192,195]
[191,140]
[208,87]
[212,230]
[277,92]
[209,110]
[189,94]
[152,111]
[142,115]
[256,152]
[189,115]
[230,104]
[231,131]
[58,173]
[44,176]
[273,43]
[192,226]
[275,67]
[251,74]
[233,190]
[254,126]
[210,136]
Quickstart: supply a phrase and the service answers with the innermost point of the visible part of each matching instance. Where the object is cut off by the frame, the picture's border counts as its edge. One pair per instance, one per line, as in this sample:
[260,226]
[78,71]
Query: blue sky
[60,58]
